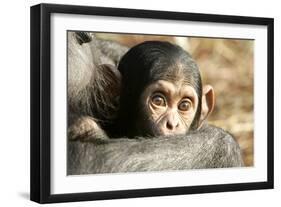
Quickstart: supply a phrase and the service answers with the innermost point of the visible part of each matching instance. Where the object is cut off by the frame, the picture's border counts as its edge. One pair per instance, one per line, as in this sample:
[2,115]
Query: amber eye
[158,100]
[184,106]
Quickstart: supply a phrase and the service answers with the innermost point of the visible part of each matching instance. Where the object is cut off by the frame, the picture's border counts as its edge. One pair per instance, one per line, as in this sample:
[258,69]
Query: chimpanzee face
[167,108]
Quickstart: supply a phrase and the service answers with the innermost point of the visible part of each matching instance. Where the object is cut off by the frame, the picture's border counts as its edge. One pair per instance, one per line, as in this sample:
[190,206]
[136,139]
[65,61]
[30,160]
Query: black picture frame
[41,96]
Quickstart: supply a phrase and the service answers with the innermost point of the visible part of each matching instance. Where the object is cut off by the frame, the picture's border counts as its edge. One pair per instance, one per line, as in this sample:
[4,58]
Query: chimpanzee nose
[172,123]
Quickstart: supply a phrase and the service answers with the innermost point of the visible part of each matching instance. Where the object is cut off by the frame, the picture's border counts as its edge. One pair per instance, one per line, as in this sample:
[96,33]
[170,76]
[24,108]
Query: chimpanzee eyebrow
[162,88]
[188,92]
[170,88]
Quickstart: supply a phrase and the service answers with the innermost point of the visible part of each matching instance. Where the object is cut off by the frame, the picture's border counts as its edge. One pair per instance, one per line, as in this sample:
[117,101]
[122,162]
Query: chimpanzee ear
[208,103]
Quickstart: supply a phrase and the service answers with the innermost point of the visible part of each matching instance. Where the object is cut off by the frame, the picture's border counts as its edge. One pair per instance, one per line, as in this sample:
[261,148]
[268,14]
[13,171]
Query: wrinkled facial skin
[167,108]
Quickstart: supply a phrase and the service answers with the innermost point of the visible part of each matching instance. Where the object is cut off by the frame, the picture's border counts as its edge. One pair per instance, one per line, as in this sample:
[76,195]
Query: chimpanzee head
[161,91]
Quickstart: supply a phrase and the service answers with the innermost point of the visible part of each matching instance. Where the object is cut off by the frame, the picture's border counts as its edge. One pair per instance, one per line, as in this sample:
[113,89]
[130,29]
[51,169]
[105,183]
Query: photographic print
[138,103]
[132,103]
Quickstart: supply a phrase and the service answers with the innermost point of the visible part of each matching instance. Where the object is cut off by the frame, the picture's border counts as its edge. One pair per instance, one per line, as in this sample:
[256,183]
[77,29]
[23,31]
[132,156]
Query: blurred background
[227,65]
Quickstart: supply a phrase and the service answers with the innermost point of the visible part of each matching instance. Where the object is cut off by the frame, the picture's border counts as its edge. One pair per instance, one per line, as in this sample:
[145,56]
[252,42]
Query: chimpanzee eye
[184,105]
[158,100]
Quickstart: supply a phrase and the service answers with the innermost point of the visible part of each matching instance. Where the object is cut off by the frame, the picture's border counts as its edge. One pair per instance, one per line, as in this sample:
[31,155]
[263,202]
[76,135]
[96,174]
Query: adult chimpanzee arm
[209,147]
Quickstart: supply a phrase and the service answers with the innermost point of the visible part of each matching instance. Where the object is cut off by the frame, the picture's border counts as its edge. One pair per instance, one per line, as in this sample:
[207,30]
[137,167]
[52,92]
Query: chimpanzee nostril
[169,125]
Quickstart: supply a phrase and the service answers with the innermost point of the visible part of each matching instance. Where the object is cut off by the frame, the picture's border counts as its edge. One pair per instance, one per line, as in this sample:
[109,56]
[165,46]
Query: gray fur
[112,50]
[93,80]
[210,147]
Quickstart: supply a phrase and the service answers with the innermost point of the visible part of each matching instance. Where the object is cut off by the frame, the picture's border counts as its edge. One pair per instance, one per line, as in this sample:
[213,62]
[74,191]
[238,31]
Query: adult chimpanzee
[162,106]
